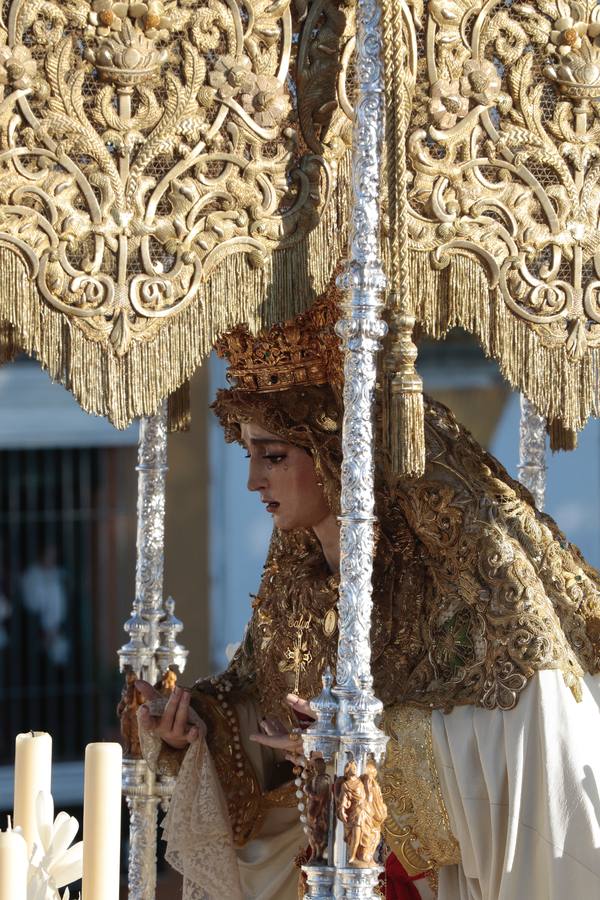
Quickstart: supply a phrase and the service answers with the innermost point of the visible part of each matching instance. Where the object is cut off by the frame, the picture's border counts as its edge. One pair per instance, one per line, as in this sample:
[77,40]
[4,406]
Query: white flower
[265,99]
[107,17]
[55,863]
[232,75]
[17,66]
[567,35]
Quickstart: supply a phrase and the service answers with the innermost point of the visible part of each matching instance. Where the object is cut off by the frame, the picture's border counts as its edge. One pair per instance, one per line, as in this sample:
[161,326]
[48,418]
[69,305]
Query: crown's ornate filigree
[153,156]
[504,155]
[302,351]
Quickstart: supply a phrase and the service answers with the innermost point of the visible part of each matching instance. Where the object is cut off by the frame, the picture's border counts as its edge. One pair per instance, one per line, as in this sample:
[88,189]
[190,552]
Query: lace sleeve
[198,833]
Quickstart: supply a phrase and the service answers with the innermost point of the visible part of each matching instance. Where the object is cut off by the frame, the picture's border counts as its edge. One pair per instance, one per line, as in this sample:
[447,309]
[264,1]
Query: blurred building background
[67,541]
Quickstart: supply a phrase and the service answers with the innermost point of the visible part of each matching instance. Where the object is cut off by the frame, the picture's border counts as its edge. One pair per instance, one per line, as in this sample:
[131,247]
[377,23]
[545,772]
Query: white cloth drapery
[522,790]
[198,833]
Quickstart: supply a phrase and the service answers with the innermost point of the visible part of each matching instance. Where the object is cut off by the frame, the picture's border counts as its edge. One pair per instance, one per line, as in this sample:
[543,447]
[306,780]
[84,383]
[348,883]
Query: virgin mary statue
[485,652]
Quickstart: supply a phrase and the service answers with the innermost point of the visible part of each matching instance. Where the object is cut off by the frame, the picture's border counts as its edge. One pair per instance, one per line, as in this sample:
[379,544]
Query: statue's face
[284,476]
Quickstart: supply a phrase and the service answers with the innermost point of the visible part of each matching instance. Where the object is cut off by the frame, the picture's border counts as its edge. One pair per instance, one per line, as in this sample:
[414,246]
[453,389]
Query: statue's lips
[271,505]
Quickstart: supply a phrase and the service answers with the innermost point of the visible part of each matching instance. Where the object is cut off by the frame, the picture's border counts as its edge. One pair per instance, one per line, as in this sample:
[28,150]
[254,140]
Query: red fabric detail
[399,884]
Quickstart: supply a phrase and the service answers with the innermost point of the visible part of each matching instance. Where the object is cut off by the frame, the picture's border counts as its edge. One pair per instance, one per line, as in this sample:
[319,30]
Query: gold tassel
[561,438]
[403,412]
[179,410]
[458,293]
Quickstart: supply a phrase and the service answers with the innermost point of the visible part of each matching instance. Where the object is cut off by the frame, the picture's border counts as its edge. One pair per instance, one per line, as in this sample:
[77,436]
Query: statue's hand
[178,725]
[302,708]
[277,736]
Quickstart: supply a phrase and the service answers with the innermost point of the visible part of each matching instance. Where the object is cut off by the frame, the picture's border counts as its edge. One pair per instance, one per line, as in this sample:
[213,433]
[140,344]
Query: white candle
[13,866]
[102,821]
[33,767]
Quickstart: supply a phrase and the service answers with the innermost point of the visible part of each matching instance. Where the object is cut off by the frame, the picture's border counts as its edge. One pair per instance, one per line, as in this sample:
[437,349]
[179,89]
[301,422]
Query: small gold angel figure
[350,805]
[375,814]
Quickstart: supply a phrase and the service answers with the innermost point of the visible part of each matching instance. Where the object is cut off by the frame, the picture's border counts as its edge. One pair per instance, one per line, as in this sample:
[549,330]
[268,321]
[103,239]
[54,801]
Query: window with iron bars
[67,556]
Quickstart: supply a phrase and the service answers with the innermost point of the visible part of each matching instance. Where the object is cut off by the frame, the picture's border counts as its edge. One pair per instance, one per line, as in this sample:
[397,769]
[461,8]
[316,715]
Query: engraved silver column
[345,727]
[152,647]
[532,451]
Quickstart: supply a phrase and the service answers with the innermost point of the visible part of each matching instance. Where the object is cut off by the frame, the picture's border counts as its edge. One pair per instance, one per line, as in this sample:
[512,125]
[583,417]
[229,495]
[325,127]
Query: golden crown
[302,351]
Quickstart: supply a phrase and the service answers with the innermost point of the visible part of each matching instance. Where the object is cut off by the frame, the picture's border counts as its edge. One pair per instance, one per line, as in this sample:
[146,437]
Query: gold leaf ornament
[162,178]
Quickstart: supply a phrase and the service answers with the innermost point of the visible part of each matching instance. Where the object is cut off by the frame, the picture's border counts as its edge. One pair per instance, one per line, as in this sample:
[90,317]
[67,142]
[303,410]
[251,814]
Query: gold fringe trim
[565,391]
[123,388]
[179,413]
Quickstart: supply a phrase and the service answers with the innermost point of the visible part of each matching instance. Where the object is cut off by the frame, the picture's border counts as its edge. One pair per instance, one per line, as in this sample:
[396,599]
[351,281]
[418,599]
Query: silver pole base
[319,882]
[359,884]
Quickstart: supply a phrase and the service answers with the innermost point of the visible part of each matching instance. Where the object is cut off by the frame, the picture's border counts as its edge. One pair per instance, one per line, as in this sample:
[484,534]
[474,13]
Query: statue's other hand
[278,737]
[178,725]
[302,708]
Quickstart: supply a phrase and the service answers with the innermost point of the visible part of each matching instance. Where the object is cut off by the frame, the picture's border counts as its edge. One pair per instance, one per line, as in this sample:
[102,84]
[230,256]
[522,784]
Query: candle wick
[9,820]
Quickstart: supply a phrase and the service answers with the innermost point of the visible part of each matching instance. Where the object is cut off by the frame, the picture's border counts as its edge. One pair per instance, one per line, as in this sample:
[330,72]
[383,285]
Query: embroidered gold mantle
[167,169]
[474,590]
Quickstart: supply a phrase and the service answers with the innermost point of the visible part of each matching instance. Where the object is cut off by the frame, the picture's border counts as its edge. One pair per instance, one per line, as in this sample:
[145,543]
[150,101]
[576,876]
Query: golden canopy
[168,169]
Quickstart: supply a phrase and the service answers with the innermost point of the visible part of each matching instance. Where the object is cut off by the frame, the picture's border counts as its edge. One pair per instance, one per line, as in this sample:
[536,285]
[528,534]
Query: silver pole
[346,727]
[152,648]
[532,451]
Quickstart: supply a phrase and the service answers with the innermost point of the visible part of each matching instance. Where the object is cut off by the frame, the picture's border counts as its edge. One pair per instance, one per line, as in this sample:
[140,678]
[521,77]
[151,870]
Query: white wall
[36,412]
[240,530]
